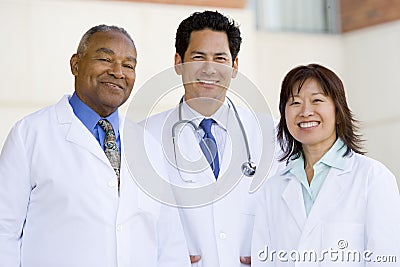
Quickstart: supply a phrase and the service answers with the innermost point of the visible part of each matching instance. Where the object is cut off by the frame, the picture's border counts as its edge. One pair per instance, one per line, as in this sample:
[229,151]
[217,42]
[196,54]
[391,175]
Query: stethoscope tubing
[180,121]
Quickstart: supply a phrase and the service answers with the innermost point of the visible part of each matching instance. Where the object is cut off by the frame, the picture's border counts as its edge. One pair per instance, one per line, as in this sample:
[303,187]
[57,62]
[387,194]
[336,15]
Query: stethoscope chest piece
[249,168]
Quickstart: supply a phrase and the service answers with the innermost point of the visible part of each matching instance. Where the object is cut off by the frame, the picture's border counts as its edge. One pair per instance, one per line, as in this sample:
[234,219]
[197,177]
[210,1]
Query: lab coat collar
[293,197]
[331,191]
[221,116]
[77,133]
[333,158]
[327,199]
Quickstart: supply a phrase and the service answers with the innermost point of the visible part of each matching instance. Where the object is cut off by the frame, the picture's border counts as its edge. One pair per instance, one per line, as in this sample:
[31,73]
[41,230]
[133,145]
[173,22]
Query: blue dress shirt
[90,118]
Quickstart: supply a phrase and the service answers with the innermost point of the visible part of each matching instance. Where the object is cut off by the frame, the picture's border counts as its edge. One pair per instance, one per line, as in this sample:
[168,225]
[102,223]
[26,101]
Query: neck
[204,106]
[312,154]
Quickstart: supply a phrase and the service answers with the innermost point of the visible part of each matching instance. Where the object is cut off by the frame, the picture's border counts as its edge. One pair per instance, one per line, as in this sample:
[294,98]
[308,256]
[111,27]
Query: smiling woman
[328,191]
[314,96]
[310,116]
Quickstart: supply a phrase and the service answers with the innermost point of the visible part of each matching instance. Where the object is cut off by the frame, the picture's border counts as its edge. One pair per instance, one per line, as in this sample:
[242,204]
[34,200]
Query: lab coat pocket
[343,244]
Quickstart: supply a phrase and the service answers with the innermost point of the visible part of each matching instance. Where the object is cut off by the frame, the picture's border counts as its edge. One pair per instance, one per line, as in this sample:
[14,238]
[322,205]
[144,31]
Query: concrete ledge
[209,3]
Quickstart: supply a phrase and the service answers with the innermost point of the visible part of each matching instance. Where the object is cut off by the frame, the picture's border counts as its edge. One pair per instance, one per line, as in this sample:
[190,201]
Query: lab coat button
[119,228]
[222,235]
[112,183]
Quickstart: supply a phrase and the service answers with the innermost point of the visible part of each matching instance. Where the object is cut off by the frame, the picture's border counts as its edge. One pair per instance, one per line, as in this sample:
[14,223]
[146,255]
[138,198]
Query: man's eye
[221,59]
[129,67]
[104,59]
[197,57]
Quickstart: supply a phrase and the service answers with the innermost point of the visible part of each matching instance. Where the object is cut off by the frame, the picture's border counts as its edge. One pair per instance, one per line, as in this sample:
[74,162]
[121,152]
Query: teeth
[207,82]
[113,85]
[308,124]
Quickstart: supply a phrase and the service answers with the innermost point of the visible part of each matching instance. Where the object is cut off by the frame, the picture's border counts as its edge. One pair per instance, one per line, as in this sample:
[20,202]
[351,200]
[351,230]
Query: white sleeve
[173,250]
[261,237]
[382,226]
[14,197]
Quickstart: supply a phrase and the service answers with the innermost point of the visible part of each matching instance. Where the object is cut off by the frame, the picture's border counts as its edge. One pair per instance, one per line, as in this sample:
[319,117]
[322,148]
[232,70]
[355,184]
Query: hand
[195,258]
[245,260]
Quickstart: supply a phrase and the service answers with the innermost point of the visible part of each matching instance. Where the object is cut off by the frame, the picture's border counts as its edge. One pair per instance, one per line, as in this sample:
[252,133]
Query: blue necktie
[209,146]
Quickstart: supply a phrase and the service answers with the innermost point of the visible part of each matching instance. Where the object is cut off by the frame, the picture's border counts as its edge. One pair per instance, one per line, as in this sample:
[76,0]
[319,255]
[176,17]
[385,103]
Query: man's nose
[209,67]
[116,70]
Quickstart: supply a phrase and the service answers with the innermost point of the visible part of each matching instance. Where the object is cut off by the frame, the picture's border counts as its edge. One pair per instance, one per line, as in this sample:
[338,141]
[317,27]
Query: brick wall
[210,3]
[357,14]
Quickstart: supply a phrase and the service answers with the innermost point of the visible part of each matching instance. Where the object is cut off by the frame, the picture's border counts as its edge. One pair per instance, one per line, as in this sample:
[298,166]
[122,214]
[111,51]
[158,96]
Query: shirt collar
[220,116]
[89,117]
[296,167]
[333,158]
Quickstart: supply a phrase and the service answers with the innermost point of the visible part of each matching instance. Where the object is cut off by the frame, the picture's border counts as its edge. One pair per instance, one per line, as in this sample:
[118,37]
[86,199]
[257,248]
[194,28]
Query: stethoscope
[248,168]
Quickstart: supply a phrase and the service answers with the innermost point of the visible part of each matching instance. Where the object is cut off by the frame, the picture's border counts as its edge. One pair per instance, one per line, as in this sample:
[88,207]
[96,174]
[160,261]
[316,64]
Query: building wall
[209,3]
[371,75]
[42,36]
[357,14]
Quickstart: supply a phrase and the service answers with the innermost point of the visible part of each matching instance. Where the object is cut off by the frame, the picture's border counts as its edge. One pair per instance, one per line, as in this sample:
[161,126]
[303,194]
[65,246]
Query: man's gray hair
[99,28]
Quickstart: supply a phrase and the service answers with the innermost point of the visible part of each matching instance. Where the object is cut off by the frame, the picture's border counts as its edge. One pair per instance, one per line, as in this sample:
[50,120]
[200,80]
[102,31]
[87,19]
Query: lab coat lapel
[77,132]
[293,197]
[226,155]
[233,157]
[189,148]
[327,199]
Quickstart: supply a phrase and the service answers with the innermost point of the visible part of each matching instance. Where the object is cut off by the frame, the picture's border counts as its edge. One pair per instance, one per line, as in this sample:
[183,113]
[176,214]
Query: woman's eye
[294,103]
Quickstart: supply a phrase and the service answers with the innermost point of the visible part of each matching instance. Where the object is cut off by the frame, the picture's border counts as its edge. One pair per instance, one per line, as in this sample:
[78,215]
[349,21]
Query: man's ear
[73,62]
[178,64]
[235,67]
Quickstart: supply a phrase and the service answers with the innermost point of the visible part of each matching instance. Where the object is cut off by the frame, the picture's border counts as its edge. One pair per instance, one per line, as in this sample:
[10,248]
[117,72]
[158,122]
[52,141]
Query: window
[319,16]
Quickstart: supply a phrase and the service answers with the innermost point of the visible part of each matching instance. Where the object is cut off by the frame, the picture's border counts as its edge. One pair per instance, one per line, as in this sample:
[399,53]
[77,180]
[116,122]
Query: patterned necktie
[209,146]
[111,147]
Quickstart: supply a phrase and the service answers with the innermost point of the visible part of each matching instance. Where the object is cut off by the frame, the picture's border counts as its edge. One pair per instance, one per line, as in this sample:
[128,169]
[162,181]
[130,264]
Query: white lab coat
[221,231]
[59,203]
[357,209]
